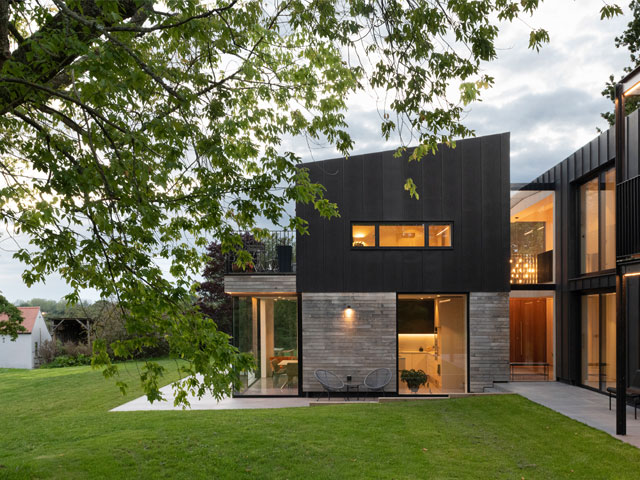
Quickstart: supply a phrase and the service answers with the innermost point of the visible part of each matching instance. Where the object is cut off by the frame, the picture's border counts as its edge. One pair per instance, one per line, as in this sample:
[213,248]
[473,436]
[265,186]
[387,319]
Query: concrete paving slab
[208,402]
[586,406]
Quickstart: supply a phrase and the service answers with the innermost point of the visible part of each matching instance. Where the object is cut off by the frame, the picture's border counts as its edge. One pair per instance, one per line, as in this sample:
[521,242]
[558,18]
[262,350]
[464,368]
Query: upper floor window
[363,235]
[439,235]
[597,223]
[402,235]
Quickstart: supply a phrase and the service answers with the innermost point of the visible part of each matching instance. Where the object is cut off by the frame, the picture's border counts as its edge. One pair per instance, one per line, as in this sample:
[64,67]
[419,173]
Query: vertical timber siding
[467,185]
[488,339]
[348,346]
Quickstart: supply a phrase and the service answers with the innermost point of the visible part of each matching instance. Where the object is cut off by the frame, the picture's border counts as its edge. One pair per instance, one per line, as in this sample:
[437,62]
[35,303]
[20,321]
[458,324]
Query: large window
[402,235]
[599,340]
[597,223]
[532,237]
[267,328]
[432,338]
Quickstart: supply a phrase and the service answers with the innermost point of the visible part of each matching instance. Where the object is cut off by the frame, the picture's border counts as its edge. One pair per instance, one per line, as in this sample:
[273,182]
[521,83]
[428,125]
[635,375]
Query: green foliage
[12,326]
[630,39]
[413,378]
[134,131]
[68,361]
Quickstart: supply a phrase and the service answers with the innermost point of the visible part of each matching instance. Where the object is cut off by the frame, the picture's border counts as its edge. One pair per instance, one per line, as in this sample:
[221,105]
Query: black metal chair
[329,381]
[376,380]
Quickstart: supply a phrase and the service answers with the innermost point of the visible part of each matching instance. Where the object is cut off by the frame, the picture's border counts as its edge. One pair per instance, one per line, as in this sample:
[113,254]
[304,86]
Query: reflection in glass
[267,328]
[363,235]
[401,235]
[608,374]
[599,340]
[439,235]
[591,340]
[589,223]
[608,220]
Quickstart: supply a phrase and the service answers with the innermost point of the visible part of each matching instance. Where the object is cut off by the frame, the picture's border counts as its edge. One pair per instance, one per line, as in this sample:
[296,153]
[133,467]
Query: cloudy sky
[550,102]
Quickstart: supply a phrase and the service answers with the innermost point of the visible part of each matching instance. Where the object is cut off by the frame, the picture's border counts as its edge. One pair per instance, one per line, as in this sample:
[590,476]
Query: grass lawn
[56,424]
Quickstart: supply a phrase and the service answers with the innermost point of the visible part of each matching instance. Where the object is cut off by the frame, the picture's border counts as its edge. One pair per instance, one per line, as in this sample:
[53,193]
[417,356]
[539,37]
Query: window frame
[600,176]
[425,223]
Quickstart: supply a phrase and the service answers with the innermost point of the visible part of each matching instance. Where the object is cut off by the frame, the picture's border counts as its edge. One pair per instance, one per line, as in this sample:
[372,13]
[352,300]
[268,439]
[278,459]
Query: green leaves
[11,326]
[133,132]
[610,11]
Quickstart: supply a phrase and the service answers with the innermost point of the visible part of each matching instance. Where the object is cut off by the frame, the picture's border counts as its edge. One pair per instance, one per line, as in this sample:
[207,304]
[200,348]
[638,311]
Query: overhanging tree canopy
[133,131]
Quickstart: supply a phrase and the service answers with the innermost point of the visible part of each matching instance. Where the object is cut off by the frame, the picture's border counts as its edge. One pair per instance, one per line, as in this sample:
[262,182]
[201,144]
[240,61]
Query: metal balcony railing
[275,254]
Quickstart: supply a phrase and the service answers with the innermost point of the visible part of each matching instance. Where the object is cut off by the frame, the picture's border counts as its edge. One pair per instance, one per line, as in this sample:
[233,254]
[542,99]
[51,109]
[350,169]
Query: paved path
[209,403]
[584,405]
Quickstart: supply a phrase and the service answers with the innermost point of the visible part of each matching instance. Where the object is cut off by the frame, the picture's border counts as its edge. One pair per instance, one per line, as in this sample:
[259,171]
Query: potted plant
[414,379]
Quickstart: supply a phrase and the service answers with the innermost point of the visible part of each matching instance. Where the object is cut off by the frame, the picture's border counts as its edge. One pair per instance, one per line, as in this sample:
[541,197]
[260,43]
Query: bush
[68,361]
[49,350]
[72,349]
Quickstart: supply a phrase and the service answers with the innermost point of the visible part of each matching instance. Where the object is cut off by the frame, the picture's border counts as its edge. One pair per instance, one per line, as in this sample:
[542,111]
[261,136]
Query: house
[563,260]
[394,282]
[475,282]
[23,352]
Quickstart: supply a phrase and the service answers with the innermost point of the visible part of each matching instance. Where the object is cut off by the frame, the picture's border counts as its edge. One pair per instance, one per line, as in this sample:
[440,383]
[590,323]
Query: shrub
[67,361]
[48,350]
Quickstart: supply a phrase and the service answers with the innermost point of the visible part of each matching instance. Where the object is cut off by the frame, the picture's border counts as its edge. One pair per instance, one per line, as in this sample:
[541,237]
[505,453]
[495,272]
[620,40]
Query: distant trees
[630,39]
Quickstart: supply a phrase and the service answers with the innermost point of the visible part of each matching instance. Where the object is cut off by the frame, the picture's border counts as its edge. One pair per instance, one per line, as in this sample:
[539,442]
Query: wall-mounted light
[348,312]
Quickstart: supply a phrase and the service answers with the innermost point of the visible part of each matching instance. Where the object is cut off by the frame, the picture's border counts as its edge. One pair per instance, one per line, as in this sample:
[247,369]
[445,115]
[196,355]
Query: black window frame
[600,176]
[425,224]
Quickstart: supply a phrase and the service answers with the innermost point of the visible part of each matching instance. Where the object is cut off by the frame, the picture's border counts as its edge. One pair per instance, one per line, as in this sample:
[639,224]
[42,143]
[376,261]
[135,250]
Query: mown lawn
[56,424]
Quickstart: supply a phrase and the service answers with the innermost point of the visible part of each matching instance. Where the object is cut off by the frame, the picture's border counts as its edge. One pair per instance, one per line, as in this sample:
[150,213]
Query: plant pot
[414,388]
[285,253]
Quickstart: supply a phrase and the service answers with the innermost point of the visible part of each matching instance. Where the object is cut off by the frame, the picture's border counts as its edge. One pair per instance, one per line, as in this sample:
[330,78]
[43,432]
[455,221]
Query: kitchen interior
[432,338]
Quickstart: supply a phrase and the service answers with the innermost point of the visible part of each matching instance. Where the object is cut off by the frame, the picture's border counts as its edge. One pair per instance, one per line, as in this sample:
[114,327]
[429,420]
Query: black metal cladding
[467,186]
[580,166]
[628,217]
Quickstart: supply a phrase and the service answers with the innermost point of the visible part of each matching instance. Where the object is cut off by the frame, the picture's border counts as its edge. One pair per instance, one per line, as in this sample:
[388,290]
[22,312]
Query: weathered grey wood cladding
[348,345]
[263,283]
[488,339]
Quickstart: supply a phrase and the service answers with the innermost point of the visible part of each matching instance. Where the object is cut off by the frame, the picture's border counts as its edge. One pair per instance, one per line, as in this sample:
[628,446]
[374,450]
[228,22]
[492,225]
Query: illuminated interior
[402,235]
[432,338]
[531,338]
[439,235]
[266,327]
[532,237]
[363,235]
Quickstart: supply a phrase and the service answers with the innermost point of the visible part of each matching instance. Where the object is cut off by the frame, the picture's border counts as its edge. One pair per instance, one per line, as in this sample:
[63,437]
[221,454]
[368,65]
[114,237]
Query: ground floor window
[531,338]
[267,328]
[432,344]
[599,340]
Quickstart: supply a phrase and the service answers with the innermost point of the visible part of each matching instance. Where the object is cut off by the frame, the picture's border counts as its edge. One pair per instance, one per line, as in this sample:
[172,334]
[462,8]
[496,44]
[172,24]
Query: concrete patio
[586,406]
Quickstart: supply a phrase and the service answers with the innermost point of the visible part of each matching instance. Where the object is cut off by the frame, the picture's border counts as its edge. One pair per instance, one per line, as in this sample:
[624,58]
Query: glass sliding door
[599,340]
[432,343]
[267,328]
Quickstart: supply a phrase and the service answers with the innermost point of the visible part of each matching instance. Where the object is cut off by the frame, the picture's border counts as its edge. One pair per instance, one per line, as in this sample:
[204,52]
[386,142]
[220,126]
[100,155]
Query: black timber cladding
[566,177]
[468,186]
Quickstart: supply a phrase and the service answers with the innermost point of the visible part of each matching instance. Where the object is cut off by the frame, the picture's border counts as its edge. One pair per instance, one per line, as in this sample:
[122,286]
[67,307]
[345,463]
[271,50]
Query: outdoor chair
[632,393]
[329,381]
[376,380]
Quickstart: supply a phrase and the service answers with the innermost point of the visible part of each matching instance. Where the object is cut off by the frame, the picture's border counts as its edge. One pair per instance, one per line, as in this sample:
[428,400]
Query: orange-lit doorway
[531,338]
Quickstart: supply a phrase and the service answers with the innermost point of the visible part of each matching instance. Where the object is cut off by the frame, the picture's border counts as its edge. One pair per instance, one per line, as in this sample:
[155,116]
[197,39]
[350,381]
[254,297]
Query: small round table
[352,387]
